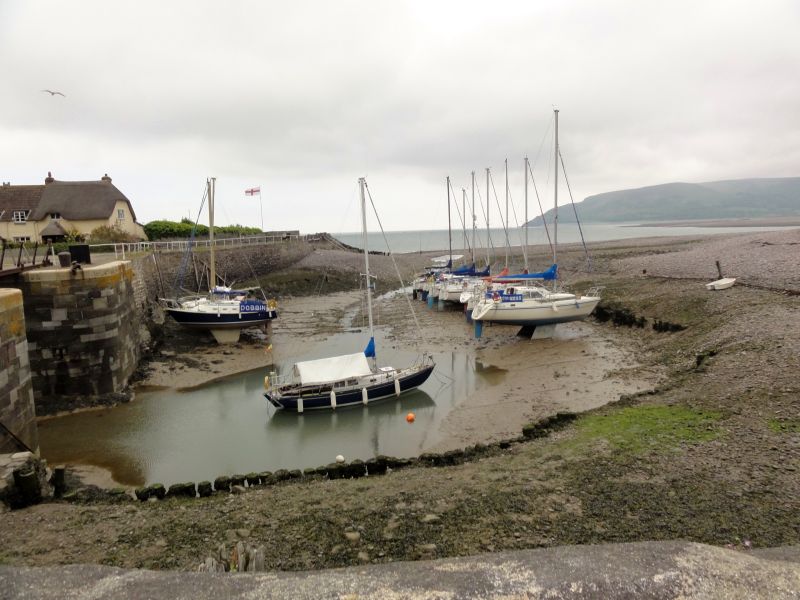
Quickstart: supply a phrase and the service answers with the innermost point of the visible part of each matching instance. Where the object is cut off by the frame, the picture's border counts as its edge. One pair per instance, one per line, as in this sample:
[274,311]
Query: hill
[731,199]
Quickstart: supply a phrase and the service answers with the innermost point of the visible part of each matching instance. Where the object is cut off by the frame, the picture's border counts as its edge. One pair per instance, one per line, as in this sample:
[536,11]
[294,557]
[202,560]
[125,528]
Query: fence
[121,249]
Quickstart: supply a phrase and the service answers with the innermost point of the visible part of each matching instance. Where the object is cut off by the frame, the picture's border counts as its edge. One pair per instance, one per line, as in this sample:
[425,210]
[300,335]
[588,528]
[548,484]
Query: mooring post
[478,329]
[719,270]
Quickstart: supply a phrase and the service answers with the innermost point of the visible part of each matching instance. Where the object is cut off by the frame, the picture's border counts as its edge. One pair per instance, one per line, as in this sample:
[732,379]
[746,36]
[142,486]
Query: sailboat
[223,311]
[350,379]
[517,301]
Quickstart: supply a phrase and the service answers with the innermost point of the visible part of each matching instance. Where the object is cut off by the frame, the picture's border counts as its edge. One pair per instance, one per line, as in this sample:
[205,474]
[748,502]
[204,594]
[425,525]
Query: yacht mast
[464,220]
[508,243]
[361,183]
[525,168]
[488,232]
[555,188]
[473,217]
[449,228]
[211,183]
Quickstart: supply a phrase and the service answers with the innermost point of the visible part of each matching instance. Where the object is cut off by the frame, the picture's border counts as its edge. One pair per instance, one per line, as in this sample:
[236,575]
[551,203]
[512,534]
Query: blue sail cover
[469,271]
[465,270]
[550,274]
[369,351]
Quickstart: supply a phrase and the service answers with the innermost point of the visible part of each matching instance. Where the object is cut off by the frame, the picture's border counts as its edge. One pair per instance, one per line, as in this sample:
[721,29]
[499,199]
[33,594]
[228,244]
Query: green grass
[785,425]
[638,429]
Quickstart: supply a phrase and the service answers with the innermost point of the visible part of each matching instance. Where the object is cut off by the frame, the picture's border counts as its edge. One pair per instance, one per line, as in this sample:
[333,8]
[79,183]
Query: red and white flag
[253,191]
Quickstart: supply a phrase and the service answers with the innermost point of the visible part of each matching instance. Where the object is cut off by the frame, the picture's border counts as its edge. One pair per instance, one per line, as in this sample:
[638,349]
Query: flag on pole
[253,191]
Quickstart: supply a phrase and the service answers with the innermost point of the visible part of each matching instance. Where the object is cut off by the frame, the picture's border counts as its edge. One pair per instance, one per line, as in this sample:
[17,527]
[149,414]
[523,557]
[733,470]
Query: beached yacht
[350,379]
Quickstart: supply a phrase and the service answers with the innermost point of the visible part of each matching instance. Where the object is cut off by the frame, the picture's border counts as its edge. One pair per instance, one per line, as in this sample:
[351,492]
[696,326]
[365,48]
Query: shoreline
[710,454]
[743,222]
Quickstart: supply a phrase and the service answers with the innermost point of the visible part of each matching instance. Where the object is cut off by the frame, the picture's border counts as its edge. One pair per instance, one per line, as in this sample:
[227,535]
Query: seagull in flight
[52,93]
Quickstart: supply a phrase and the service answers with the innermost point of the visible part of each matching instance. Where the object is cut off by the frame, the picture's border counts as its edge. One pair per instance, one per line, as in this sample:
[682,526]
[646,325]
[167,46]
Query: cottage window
[120,214]
[20,216]
[22,238]
[55,216]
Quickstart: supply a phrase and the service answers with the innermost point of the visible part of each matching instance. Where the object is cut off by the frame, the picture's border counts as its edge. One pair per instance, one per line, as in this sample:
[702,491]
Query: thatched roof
[73,200]
[53,228]
[18,197]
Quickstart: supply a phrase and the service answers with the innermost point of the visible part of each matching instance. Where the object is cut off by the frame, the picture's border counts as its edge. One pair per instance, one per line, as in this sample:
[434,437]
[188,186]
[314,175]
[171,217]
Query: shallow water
[422,241]
[227,427]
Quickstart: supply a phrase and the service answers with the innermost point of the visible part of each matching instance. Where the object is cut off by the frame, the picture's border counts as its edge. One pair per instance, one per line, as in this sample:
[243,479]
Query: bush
[111,235]
[160,230]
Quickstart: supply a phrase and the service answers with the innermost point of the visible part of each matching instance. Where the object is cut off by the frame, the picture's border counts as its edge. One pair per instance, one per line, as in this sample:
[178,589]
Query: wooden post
[719,270]
[59,481]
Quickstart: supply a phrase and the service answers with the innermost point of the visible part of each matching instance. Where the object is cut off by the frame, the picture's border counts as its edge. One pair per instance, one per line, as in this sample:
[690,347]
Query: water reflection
[228,427]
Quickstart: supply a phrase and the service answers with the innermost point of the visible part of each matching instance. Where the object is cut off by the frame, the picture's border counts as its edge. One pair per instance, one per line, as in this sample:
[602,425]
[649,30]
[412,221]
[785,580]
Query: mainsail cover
[335,368]
[550,274]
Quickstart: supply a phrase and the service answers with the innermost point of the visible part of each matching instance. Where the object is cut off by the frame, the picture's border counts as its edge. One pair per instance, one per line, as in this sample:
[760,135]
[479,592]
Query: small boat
[347,380]
[223,311]
[721,284]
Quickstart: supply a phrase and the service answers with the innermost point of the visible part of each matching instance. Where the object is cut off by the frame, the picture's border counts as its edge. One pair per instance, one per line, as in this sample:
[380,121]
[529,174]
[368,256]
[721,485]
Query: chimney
[49,178]
[106,178]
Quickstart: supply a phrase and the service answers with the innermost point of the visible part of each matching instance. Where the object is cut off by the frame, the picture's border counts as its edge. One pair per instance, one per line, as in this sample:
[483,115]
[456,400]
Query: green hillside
[733,199]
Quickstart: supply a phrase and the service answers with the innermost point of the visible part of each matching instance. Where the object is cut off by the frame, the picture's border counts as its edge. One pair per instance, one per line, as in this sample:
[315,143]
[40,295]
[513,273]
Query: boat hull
[721,284]
[545,313]
[197,320]
[350,397]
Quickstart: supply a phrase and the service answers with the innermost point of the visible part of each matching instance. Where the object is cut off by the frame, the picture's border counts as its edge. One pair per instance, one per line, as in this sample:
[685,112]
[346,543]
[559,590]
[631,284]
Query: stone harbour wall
[17,413]
[83,334]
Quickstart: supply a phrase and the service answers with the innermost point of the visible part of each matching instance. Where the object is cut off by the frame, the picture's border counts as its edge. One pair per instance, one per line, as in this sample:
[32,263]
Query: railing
[121,249]
[22,258]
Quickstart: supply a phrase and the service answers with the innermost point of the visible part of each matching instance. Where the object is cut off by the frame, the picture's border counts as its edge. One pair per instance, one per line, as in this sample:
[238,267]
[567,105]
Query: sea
[402,242]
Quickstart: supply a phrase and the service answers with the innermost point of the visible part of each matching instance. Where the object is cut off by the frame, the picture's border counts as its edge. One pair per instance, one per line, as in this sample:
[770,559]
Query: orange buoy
[410,417]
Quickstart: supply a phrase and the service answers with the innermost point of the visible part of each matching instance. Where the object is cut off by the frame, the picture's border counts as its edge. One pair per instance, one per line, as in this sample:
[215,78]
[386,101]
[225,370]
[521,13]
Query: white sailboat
[520,302]
[347,380]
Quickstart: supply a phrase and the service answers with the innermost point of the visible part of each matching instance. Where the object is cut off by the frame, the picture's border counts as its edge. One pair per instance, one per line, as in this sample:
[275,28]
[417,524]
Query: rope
[499,210]
[178,284]
[541,210]
[19,441]
[460,216]
[575,210]
[391,255]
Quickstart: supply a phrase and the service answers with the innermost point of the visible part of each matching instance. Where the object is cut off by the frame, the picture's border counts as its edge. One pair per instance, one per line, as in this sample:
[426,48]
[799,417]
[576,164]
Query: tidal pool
[228,427]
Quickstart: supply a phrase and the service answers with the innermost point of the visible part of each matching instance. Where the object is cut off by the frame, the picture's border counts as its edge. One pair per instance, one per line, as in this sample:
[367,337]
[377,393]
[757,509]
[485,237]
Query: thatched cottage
[38,213]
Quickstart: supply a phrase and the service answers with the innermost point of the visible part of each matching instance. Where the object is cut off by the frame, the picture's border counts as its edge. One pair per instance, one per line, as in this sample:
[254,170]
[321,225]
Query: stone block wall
[17,413]
[235,265]
[83,333]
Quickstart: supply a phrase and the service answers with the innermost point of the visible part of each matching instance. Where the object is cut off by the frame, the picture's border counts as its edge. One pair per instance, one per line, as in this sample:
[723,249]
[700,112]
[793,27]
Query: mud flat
[710,454]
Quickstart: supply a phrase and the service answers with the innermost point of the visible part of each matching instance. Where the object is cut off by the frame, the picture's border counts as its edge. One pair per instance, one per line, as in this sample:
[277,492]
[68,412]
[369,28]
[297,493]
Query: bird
[54,93]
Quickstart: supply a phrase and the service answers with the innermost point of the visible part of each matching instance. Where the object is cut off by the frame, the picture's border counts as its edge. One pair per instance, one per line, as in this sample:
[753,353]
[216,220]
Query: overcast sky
[302,98]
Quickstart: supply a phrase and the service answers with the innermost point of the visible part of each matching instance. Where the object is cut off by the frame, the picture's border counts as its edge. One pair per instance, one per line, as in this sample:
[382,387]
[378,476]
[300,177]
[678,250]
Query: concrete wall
[83,333]
[17,412]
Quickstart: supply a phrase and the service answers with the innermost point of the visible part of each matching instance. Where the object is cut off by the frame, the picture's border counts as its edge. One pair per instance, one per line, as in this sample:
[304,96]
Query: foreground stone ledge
[672,569]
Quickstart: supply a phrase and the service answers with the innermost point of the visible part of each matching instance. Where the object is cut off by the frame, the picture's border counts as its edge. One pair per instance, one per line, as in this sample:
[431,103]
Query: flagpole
[261,203]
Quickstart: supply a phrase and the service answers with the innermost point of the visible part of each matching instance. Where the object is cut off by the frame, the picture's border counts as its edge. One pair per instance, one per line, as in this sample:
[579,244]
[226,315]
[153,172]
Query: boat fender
[333,400]
[300,404]
[396,385]
[364,396]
